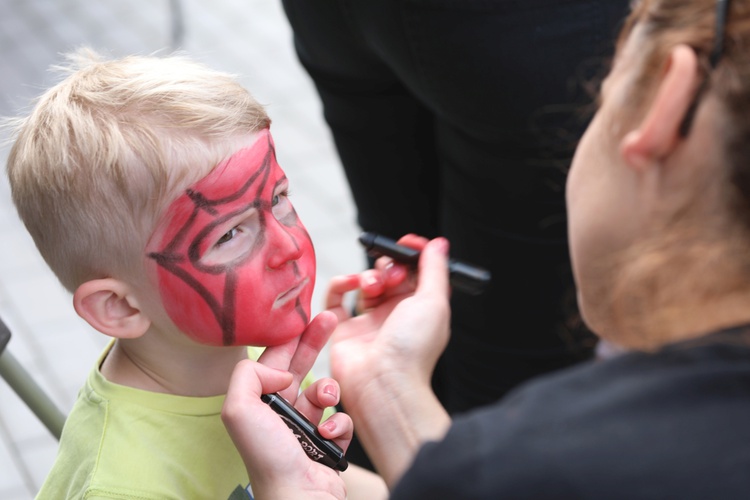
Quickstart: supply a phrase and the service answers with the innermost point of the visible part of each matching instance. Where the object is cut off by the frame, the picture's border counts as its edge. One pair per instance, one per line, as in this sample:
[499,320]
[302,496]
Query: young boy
[151,188]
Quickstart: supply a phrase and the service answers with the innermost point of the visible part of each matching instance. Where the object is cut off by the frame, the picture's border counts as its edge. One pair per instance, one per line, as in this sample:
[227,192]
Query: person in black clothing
[458,118]
[659,223]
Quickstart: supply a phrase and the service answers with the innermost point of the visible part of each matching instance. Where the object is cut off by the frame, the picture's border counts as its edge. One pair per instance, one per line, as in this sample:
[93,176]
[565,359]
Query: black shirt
[674,424]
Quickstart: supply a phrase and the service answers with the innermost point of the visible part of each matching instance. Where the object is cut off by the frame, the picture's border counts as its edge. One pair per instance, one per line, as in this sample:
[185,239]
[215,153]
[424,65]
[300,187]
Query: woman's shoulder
[607,426]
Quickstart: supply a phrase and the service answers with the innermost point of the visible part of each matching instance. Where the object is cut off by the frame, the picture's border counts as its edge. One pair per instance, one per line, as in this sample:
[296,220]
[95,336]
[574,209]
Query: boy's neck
[185,370]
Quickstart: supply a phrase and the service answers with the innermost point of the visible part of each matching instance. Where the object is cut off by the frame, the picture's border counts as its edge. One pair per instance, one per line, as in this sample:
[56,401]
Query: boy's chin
[275,338]
[281,338]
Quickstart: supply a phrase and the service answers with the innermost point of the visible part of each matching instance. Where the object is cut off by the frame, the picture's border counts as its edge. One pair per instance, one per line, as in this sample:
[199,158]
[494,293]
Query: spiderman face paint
[235,264]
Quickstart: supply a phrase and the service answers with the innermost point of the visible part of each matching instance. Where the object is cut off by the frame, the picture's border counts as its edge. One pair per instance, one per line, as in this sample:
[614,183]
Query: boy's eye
[279,197]
[227,236]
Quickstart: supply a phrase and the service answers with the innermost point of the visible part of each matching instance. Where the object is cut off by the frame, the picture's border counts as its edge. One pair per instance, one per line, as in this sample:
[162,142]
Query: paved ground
[250,38]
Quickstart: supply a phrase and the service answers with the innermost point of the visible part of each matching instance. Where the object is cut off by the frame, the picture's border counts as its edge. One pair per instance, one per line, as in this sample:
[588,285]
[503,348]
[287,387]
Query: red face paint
[235,264]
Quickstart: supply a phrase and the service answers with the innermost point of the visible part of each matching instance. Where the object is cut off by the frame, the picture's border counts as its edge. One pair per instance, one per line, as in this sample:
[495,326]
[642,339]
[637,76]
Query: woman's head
[658,216]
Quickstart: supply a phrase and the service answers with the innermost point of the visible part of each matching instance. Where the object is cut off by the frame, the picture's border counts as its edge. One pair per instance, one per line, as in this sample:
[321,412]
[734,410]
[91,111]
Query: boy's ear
[108,306]
[659,132]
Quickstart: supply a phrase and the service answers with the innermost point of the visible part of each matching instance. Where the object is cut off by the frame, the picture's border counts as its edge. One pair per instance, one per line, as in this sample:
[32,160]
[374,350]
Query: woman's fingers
[272,454]
[338,287]
[321,394]
[413,241]
[298,356]
[432,268]
[242,406]
[313,402]
[339,428]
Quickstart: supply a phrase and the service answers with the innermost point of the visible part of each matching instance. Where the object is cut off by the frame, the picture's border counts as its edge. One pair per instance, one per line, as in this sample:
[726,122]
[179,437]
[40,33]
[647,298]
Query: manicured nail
[442,244]
[329,425]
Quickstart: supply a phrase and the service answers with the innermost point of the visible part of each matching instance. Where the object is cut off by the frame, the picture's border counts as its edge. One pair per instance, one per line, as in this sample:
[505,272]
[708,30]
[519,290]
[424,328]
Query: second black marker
[318,448]
[464,277]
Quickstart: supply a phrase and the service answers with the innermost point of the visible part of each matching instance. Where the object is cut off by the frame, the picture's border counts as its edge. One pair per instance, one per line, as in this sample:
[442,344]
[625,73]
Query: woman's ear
[659,132]
[108,305]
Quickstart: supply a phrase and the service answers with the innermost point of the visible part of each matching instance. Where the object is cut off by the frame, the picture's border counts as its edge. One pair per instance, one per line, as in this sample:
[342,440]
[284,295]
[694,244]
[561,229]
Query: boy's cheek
[190,310]
[238,308]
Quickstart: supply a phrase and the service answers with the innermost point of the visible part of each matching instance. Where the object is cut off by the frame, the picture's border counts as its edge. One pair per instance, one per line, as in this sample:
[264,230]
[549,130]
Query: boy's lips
[290,294]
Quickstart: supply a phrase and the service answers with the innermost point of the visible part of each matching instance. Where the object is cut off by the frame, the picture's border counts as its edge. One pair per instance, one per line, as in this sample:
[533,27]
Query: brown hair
[667,23]
[105,149]
[688,262]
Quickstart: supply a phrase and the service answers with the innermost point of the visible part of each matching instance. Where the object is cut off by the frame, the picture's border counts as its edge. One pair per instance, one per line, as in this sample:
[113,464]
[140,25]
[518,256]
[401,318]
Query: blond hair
[104,150]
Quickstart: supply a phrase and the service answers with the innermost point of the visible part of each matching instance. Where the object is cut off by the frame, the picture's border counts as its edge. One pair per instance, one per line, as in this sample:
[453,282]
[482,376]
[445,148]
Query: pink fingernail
[329,425]
[442,244]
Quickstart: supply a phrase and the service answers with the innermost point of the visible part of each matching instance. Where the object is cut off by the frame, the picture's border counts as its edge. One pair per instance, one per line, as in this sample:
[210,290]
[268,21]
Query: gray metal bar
[27,389]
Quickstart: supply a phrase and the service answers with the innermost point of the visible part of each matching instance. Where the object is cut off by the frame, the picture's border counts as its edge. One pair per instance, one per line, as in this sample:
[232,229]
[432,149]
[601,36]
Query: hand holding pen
[275,448]
[390,348]
[273,454]
[463,276]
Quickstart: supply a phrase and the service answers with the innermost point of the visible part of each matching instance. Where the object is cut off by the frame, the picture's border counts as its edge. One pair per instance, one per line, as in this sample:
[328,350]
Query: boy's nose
[282,245]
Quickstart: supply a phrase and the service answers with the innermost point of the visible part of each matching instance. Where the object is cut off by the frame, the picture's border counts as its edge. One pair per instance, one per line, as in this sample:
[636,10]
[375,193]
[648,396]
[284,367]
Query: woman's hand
[374,286]
[277,465]
[404,325]
[298,355]
[385,356]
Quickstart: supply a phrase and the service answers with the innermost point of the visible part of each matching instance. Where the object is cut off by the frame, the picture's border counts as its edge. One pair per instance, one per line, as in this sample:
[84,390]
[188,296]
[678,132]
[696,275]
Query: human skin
[633,174]
[235,264]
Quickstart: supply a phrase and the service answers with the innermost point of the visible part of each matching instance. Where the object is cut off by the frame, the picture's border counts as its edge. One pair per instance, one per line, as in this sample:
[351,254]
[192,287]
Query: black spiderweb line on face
[298,301]
[173,262]
[293,221]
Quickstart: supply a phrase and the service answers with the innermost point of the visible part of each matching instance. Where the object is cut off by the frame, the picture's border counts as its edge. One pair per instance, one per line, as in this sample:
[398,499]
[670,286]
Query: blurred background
[250,38]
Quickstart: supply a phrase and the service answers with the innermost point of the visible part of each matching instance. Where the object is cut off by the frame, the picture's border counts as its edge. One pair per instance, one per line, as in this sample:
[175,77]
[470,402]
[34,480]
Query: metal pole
[27,389]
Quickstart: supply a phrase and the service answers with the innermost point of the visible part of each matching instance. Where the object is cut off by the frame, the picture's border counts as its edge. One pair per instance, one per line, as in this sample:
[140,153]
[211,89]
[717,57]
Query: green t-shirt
[126,443]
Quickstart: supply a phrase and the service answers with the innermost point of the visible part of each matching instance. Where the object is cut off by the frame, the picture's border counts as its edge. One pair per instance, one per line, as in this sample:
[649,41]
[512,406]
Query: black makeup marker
[318,448]
[465,277]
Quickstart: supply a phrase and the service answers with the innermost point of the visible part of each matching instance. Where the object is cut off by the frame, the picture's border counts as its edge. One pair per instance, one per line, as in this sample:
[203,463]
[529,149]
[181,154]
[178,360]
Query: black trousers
[459,118]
